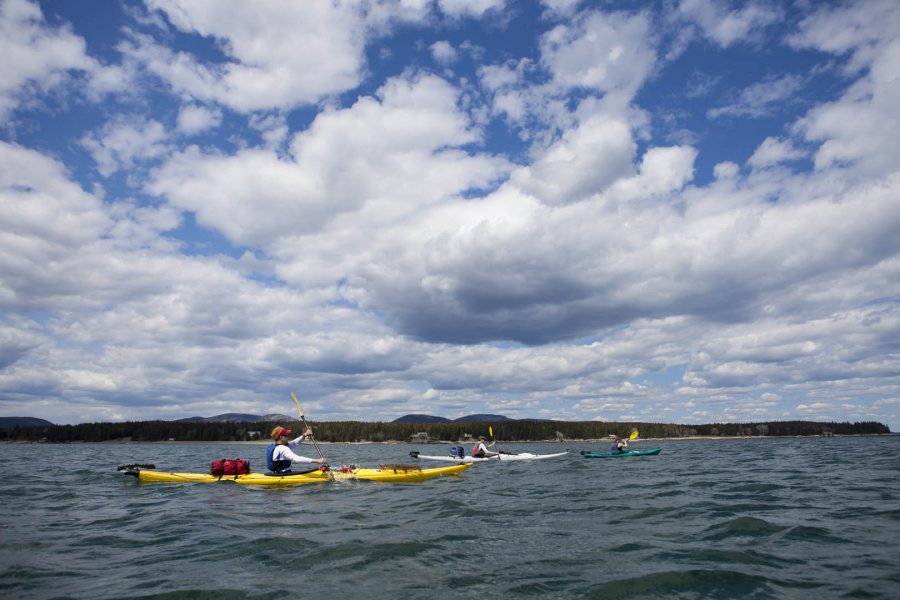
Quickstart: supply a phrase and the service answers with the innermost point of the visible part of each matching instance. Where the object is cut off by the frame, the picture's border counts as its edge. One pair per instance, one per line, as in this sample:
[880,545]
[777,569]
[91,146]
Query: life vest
[477,453]
[276,466]
[615,448]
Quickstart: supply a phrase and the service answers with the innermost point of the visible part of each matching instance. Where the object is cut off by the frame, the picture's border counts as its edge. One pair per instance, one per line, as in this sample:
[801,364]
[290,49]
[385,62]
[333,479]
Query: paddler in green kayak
[280,454]
[619,445]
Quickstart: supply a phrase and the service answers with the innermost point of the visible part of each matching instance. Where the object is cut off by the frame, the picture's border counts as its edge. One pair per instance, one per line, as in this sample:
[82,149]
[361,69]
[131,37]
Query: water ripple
[704,519]
[694,583]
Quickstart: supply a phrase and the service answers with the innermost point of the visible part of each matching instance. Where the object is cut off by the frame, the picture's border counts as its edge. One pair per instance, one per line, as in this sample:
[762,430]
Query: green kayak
[653,452]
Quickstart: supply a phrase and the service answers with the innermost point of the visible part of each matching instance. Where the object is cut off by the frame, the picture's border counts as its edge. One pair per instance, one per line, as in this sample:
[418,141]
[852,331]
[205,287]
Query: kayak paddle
[491,433]
[499,452]
[315,443]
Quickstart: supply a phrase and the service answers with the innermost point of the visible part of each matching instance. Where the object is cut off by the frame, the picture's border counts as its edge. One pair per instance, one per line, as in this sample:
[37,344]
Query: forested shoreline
[377,431]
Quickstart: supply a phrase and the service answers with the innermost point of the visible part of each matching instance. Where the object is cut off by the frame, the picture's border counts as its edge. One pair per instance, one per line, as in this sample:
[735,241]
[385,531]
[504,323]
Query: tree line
[376,431]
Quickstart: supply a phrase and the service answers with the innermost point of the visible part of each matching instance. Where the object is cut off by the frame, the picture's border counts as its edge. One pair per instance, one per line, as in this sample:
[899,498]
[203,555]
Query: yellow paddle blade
[297,402]
[633,435]
[491,430]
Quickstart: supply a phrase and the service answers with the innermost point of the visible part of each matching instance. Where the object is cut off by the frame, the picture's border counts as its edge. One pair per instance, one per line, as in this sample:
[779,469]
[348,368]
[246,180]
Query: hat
[481,437]
[280,431]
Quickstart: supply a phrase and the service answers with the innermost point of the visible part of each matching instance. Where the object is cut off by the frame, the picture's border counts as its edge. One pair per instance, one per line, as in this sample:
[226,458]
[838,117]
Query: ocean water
[779,518]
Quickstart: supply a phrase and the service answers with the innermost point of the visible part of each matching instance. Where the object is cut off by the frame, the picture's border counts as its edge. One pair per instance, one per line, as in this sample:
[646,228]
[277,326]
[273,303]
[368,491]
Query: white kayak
[498,458]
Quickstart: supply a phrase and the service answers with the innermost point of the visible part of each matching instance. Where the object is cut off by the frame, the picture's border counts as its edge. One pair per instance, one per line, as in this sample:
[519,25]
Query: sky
[684,211]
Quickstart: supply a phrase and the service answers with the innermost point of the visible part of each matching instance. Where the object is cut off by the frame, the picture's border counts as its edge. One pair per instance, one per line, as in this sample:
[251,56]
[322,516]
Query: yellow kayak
[397,473]
[384,473]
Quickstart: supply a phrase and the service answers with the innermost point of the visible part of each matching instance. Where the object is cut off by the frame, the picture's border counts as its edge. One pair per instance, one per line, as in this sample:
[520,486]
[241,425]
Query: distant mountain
[481,418]
[237,418]
[420,419]
[10,422]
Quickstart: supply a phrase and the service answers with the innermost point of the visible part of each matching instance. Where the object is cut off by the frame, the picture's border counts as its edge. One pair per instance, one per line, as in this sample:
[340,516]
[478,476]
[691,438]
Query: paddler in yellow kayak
[280,454]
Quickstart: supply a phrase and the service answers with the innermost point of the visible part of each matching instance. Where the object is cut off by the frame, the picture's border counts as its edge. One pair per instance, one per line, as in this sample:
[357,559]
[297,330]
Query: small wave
[742,527]
[692,583]
[208,594]
[542,588]
[735,557]
[753,488]
[805,533]
[629,547]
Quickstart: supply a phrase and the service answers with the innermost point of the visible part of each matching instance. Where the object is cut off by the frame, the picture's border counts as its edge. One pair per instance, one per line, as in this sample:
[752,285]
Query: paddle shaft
[494,440]
[306,425]
[313,438]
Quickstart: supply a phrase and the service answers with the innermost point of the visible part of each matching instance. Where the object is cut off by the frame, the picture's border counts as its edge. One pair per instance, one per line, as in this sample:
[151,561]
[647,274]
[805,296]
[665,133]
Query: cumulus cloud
[725,26]
[61,247]
[726,170]
[512,96]
[848,29]
[772,152]
[443,52]
[584,162]
[347,160]
[760,99]
[605,52]
[124,143]
[194,119]
[607,57]
[860,128]
[714,252]
[661,172]
[124,300]
[42,205]
[258,43]
[469,8]
[561,7]
[39,59]
[17,341]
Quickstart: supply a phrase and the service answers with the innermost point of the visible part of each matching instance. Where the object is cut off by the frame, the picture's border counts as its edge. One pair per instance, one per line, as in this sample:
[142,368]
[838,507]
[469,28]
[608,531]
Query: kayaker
[280,454]
[619,445]
[481,450]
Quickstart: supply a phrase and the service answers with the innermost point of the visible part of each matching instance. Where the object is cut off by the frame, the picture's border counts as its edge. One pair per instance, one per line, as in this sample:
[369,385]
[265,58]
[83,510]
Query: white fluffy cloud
[275,56]
[772,152]
[760,99]
[725,26]
[861,127]
[194,119]
[385,156]
[606,52]
[515,232]
[443,52]
[39,59]
[584,162]
[123,143]
[469,8]
[45,218]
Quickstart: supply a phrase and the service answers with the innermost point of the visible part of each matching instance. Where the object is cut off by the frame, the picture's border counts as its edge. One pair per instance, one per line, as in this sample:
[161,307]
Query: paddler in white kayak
[280,454]
[481,450]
